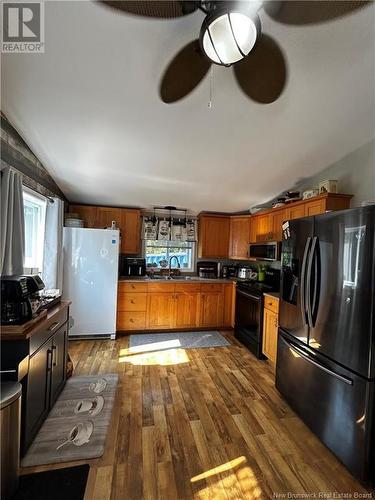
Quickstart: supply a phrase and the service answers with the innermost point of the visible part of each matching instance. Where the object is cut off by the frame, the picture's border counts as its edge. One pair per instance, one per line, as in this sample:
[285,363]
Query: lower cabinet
[44,382]
[270,327]
[168,306]
[211,313]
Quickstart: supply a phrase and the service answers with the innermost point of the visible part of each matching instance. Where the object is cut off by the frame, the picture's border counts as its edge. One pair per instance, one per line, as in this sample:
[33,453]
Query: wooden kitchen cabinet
[105,216]
[130,231]
[186,309]
[278,218]
[315,207]
[213,236]
[128,220]
[239,237]
[270,327]
[160,310]
[261,228]
[174,305]
[295,212]
[211,309]
[88,214]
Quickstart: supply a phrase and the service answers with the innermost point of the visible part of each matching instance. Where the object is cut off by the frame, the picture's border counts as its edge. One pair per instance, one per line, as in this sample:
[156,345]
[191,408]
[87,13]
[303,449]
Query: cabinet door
[296,212]
[270,326]
[261,228]
[160,310]
[59,354]
[186,310]
[214,237]
[38,383]
[315,207]
[239,237]
[108,214]
[211,309]
[89,214]
[130,231]
[277,221]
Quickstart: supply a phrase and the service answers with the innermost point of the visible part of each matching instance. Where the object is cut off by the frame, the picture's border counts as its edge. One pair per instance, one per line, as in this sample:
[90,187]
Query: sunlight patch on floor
[227,476]
[220,468]
[155,346]
[163,358]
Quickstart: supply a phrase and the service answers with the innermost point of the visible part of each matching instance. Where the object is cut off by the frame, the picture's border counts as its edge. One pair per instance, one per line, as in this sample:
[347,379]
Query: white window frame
[190,269]
[36,266]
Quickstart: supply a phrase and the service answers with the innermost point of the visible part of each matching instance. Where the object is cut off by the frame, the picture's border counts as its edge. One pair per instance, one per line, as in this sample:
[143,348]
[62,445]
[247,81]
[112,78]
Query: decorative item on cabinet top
[169,224]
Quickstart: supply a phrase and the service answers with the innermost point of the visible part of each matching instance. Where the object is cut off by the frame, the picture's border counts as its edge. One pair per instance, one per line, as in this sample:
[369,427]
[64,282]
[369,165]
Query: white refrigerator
[90,280]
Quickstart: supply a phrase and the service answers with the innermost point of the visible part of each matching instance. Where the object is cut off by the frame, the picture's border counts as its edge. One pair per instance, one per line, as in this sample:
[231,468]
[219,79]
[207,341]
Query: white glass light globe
[229,37]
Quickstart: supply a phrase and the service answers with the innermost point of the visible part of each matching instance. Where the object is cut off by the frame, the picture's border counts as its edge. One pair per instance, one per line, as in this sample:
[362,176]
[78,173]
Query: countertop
[190,279]
[275,295]
[26,330]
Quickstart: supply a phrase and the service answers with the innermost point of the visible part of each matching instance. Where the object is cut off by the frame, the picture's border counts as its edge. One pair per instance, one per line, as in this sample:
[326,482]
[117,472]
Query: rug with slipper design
[77,425]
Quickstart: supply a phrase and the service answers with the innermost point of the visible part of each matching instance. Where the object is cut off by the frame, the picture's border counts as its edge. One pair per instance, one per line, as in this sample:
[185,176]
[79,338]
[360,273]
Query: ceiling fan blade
[262,74]
[311,11]
[184,73]
[154,8]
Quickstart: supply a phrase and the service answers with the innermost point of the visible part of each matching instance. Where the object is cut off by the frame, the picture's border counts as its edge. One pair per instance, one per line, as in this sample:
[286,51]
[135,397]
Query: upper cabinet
[128,220]
[213,242]
[261,228]
[239,237]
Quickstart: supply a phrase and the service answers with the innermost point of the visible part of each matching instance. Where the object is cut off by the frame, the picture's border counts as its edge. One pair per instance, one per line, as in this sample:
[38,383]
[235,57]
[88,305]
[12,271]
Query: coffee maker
[20,298]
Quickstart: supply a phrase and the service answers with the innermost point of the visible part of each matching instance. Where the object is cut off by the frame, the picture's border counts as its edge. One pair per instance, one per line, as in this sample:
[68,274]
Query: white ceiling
[89,108]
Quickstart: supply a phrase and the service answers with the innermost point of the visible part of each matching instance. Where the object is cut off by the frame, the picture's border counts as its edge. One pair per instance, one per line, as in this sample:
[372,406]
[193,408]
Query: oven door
[249,319]
[265,251]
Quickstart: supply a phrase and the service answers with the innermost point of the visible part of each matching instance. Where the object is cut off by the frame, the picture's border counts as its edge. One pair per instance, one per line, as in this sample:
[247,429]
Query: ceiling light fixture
[228,36]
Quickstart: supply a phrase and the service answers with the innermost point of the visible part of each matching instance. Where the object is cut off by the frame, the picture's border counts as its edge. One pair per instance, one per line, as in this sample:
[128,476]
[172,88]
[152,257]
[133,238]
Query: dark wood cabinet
[37,359]
[58,362]
[37,392]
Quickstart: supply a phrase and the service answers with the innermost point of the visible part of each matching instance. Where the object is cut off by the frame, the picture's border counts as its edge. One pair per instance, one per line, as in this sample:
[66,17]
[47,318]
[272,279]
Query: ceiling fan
[231,35]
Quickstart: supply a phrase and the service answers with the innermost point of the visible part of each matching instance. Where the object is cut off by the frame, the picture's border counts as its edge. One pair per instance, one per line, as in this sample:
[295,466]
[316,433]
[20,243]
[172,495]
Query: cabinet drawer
[211,287]
[167,287]
[124,286]
[188,287]
[131,302]
[271,303]
[48,328]
[131,320]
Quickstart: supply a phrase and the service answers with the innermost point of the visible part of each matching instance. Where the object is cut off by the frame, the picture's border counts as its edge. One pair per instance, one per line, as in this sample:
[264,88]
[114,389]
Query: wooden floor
[202,424]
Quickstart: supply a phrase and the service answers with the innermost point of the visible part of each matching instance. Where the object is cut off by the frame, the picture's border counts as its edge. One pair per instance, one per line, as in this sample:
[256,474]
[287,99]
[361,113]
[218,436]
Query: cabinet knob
[131,320]
[132,301]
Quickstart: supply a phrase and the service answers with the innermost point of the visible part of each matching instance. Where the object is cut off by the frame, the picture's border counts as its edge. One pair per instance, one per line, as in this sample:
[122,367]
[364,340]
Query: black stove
[249,310]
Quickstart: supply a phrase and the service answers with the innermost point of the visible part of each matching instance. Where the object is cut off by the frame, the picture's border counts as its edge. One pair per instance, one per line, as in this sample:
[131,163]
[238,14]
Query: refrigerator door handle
[308,287]
[306,357]
[303,271]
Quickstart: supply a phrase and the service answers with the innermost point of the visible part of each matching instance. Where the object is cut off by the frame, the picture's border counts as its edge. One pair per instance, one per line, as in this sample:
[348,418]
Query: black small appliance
[207,269]
[20,298]
[132,266]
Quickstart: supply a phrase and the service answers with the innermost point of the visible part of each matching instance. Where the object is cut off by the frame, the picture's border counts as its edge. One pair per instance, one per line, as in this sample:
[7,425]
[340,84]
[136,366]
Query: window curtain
[53,243]
[12,223]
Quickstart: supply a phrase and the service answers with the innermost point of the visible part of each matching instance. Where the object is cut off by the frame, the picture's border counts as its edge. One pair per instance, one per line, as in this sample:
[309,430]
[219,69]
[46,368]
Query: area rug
[58,484]
[172,340]
[77,425]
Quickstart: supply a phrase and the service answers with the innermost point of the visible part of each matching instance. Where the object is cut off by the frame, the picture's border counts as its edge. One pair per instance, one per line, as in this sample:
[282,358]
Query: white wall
[355,173]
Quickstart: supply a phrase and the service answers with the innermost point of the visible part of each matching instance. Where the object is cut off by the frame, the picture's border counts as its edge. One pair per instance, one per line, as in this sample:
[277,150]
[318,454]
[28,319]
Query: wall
[355,173]
[15,153]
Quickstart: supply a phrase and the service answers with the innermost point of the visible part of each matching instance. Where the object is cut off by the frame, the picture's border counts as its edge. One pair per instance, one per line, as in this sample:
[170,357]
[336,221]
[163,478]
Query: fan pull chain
[211,85]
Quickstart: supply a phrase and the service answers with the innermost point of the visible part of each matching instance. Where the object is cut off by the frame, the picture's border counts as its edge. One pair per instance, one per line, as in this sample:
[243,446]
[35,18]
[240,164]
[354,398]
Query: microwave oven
[267,250]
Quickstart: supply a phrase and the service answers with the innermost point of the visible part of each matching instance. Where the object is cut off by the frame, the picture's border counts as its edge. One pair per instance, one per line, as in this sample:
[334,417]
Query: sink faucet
[170,263]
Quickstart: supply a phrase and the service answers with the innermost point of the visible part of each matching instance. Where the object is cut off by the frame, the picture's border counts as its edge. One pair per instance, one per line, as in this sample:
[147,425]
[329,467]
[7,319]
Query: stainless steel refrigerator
[326,344]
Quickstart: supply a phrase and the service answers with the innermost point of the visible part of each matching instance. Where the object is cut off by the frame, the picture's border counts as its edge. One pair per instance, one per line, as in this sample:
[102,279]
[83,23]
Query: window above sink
[159,252]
